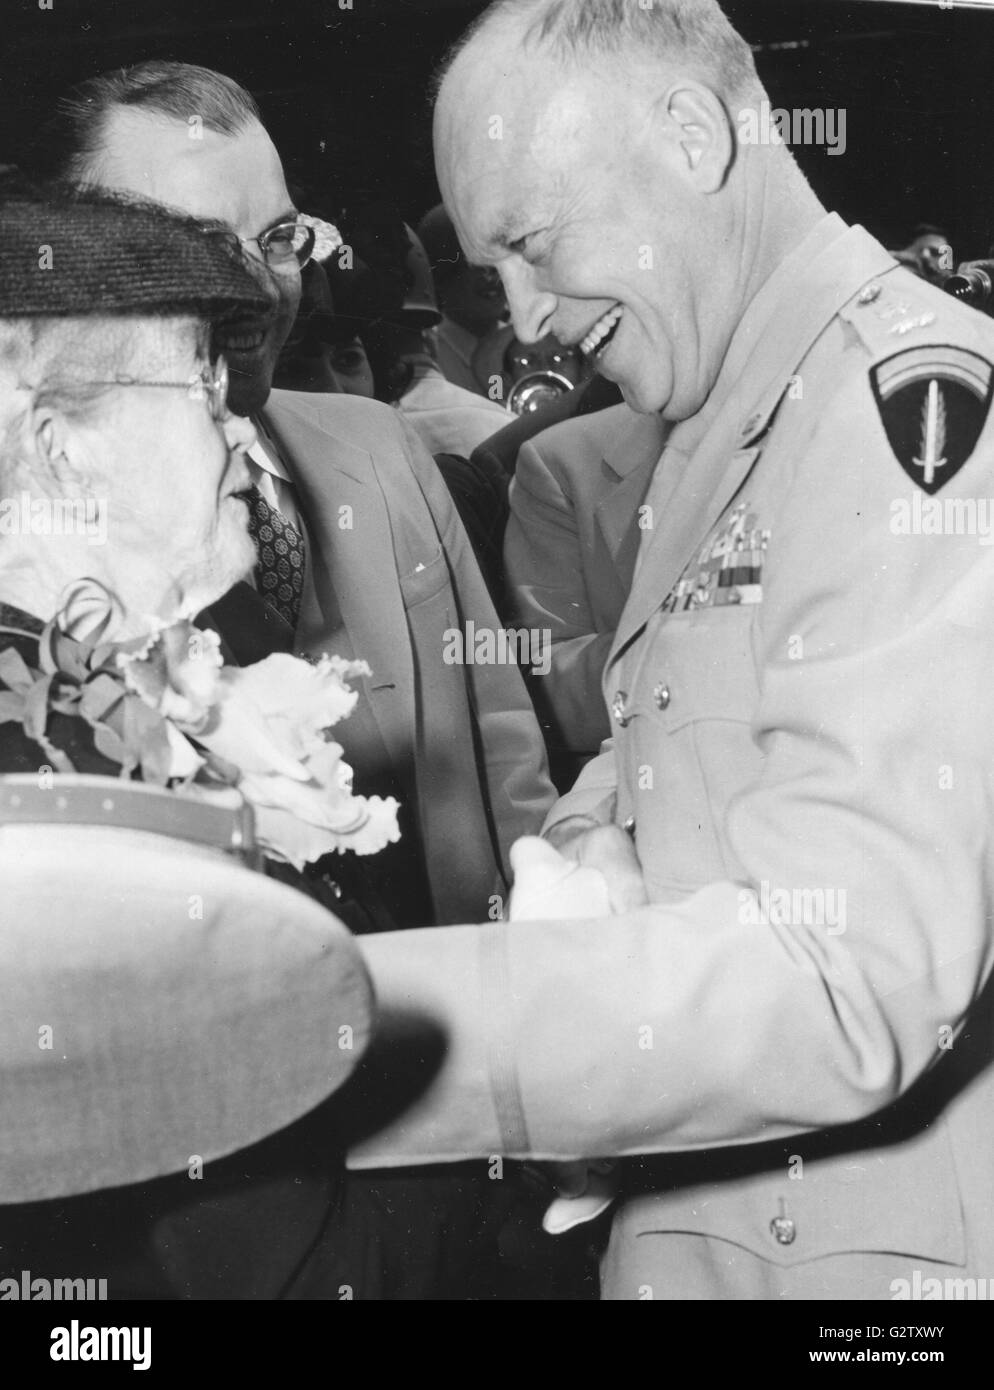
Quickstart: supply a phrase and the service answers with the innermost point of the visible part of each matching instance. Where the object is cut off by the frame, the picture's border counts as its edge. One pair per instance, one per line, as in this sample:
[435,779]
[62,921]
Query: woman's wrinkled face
[173,476]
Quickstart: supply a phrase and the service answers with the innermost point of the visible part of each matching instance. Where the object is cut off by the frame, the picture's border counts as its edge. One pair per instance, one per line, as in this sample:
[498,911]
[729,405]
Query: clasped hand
[593,872]
[579,870]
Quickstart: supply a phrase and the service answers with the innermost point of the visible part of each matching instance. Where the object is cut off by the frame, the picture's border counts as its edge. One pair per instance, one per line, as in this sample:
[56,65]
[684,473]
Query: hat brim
[159,1002]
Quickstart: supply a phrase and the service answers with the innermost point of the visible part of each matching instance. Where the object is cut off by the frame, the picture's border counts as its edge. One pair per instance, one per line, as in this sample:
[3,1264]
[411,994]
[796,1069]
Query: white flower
[177,672]
[271,725]
[327,237]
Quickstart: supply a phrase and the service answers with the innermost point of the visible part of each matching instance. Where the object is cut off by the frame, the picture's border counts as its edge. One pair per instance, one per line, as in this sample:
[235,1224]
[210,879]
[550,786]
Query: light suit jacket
[447,418]
[389,572]
[569,553]
[799,1024]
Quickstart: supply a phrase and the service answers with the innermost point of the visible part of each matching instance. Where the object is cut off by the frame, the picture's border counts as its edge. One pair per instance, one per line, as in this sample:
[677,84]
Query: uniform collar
[804,293]
[708,457]
[794,283]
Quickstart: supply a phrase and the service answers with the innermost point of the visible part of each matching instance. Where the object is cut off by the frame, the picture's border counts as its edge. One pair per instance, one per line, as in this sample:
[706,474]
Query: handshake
[594,873]
[581,870]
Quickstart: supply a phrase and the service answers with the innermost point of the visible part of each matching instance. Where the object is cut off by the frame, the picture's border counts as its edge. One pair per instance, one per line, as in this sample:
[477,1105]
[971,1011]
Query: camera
[973,282]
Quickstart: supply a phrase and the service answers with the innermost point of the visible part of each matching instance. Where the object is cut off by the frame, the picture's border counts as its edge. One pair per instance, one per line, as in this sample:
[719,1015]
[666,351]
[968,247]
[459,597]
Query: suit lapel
[633,461]
[617,522]
[351,570]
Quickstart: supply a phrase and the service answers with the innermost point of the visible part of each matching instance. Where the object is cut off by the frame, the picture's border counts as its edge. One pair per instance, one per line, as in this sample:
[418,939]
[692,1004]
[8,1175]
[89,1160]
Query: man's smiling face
[236,179]
[580,197]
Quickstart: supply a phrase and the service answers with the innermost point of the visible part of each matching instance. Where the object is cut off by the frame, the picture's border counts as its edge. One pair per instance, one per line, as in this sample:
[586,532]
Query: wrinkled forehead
[100,347]
[512,136]
[176,338]
[139,345]
[503,152]
[237,179]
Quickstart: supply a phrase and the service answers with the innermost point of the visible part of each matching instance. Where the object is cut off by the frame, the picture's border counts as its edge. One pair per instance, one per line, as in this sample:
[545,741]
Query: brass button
[618,709]
[629,827]
[784,1230]
[661,695]
[868,294]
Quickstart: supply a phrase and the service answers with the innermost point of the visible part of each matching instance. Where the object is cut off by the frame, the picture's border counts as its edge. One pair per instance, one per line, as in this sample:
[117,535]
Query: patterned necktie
[279,570]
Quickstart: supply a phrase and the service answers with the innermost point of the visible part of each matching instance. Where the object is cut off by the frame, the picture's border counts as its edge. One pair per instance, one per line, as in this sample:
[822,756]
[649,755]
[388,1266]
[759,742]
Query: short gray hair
[695,31]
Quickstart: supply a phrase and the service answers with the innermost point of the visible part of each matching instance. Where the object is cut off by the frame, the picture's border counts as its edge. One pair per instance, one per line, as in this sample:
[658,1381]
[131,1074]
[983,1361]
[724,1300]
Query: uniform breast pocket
[693,701]
[712,669]
[429,577]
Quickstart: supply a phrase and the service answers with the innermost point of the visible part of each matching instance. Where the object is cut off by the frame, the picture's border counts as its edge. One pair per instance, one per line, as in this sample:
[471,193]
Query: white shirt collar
[264,456]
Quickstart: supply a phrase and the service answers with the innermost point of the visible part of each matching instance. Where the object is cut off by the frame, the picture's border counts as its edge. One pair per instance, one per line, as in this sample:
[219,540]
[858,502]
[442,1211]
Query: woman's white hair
[62,362]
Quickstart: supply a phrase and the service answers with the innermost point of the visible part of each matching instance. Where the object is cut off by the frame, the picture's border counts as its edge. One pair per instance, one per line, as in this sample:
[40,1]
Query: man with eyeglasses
[359,549]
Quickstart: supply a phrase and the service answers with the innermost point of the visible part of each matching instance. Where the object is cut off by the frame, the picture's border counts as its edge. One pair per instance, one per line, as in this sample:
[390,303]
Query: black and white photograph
[497,668]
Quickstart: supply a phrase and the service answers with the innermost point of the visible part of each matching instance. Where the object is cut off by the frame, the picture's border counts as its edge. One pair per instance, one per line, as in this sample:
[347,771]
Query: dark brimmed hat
[70,253]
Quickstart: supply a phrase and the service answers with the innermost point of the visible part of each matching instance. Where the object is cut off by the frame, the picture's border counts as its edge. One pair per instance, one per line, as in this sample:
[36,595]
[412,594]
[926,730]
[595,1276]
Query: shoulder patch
[933,402]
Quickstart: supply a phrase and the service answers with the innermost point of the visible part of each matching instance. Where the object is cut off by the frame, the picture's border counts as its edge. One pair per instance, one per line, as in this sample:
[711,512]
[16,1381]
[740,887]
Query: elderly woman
[119,462]
[113,417]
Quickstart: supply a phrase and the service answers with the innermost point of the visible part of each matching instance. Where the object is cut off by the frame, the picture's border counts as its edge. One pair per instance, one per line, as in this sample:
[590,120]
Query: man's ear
[54,440]
[701,131]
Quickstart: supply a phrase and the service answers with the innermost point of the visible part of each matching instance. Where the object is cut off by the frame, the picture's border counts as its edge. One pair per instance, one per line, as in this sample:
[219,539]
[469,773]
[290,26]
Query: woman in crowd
[111,404]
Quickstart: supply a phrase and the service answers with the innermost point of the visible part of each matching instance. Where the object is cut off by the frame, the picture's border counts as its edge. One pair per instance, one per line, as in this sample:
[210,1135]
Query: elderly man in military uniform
[783,1025]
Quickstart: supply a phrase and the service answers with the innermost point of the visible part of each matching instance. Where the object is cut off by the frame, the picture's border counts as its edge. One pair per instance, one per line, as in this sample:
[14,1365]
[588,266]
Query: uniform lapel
[693,502]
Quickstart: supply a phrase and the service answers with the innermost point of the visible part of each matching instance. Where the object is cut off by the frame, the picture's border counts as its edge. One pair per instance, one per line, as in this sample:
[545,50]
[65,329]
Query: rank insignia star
[933,403]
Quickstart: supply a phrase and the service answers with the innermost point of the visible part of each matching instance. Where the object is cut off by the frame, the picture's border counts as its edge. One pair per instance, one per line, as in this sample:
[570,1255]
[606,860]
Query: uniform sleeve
[593,794]
[543,563]
[726,1016]
[514,763]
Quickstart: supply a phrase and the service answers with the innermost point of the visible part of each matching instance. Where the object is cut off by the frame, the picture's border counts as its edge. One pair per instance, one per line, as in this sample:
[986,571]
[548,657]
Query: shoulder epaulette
[897,310]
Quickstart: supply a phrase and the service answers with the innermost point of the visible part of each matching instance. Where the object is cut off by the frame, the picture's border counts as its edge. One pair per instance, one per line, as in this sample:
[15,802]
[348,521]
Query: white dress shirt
[271,478]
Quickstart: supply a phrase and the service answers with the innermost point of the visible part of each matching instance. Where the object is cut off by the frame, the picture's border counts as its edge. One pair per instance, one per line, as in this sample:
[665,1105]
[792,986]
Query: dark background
[343,91]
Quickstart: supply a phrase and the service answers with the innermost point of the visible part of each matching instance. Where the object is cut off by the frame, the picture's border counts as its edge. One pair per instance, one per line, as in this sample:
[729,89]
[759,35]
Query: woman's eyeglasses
[210,383]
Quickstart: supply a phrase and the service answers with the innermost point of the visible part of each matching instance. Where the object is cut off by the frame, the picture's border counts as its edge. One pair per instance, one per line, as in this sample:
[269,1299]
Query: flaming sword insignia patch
[933,404]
